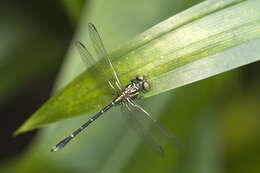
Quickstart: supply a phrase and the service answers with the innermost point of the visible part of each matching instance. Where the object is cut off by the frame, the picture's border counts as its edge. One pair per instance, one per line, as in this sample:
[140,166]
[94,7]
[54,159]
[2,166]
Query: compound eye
[146,86]
[140,78]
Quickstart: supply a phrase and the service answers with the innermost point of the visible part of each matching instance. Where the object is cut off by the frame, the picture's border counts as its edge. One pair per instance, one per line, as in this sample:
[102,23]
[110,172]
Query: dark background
[42,31]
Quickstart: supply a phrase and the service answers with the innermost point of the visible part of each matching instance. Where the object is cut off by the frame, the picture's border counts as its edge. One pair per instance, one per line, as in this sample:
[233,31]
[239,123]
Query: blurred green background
[217,119]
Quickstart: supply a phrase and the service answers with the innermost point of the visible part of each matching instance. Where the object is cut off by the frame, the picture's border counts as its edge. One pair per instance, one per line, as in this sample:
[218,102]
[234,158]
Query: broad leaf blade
[210,38]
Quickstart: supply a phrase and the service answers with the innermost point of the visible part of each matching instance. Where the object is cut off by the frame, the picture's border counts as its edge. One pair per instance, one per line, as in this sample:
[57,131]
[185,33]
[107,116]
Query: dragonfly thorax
[132,90]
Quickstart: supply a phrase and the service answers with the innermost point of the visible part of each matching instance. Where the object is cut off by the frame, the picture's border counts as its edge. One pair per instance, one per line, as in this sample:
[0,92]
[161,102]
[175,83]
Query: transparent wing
[156,135]
[86,57]
[102,53]
[89,61]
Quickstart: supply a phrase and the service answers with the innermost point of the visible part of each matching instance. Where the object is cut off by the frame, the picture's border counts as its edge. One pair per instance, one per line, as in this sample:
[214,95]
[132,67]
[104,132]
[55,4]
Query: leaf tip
[17,132]
[22,129]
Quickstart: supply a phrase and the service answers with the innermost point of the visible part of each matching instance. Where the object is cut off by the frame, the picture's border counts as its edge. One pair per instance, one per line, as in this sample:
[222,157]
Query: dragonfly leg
[128,108]
[112,86]
[118,85]
[142,109]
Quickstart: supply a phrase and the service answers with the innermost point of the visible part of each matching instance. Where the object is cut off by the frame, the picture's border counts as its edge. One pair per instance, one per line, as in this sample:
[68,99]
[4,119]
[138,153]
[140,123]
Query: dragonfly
[141,120]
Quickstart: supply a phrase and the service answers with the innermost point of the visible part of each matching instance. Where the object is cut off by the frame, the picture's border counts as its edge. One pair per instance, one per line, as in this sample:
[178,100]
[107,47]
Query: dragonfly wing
[141,130]
[102,53]
[156,135]
[86,57]
[89,61]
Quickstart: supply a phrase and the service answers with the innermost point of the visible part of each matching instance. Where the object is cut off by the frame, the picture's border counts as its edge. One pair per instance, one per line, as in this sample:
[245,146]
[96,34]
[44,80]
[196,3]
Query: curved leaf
[208,39]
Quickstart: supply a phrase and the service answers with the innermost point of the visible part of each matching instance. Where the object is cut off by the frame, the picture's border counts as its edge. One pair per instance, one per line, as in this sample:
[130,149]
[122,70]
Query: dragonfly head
[142,82]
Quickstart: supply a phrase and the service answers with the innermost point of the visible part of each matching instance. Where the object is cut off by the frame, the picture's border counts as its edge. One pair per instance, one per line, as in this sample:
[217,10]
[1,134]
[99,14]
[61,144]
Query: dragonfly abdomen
[62,143]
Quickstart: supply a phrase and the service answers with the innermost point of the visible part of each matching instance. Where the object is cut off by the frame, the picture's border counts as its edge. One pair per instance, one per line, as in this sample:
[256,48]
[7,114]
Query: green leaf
[208,39]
